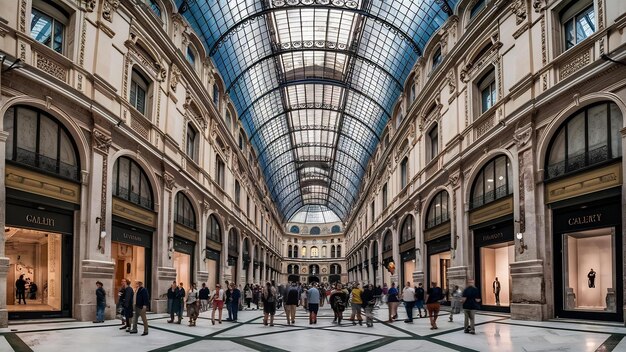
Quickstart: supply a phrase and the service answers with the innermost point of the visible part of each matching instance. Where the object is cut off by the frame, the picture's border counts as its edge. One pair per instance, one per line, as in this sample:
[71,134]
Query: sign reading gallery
[586,219]
[37,219]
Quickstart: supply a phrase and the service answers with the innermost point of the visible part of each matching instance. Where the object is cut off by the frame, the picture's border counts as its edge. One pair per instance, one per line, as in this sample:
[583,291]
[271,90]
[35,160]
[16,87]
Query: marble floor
[494,332]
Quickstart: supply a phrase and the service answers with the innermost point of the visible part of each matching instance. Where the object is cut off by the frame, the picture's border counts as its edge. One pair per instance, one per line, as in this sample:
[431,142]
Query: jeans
[234,308]
[229,308]
[409,309]
[100,312]
[170,301]
[470,314]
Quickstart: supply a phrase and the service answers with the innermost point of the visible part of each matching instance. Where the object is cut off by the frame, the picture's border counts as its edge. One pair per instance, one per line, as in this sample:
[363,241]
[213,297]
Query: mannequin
[591,278]
[496,290]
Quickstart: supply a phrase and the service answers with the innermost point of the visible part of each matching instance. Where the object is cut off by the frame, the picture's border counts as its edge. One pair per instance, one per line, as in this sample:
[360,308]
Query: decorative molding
[538,5]
[83,39]
[51,67]
[451,81]
[522,136]
[90,5]
[600,15]
[574,65]
[101,141]
[174,77]
[168,181]
[35,182]
[522,194]
[108,7]
[518,7]
[23,16]
[585,183]
[544,54]
[417,206]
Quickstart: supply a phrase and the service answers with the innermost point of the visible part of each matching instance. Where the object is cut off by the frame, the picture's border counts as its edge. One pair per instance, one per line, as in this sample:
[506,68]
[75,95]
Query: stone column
[251,264]
[418,272]
[396,250]
[528,300]
[458,272]
[4,261]
[203,273]
[163,242]
[264,266]
[370,270]
[225,267]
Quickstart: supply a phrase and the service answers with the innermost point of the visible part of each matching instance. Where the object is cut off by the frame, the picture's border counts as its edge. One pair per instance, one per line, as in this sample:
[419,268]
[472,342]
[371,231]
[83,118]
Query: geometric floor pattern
[493,333]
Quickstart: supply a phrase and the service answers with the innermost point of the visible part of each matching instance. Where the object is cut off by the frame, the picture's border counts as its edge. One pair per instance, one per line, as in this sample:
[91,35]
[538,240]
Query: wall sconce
[522,245]
[170,246]
[103,233]
[203,256]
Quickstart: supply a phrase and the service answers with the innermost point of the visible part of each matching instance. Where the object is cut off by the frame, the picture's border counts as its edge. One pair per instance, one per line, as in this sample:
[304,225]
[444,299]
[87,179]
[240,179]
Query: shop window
[315,252]
[487,87]
[494,272]
[437,57]
[315,230]
[437,213]
[139,85]
[493,182]
[385,196]
[38,140]
[578,20]
[237,192]
[214,230]
[478,6]
[48,23]
[219,173]
[433,142]
[406,232]
[589,137]
[335,229]
[183,211]
[404,172]
[130,183]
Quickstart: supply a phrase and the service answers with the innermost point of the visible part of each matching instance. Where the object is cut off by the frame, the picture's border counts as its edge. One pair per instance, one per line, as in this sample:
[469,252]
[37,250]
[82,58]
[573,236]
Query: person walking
[378,294]
[419,300]
[204,295]
[119,307]
[322,291]
[228,301]
[141,306]
[178,304]
[100,302]
[338,301]
[290,304]
[471,302]
[20,288]
[217,302]
[369,301]
[171,295]
[455,304]
[192,304]
[256,296]
[392,302]
[356,304]
[235,297]
[247,292]
[313,297]
[435,294]
[269,296]
[408,297]
[127,303]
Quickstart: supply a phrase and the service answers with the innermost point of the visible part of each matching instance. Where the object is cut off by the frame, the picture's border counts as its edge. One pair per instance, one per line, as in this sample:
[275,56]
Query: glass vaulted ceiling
[314,82]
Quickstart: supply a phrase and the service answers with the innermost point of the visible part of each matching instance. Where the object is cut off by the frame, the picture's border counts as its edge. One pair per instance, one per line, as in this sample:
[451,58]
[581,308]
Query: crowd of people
[361,301]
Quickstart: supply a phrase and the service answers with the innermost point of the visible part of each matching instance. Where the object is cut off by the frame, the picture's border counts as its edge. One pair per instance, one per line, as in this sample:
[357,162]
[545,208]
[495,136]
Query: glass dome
[314,214]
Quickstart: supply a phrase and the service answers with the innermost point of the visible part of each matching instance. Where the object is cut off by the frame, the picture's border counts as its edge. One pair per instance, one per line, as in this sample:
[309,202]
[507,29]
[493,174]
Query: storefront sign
[183,246]
[587,219]
[129,236]
[32,218]
[439,245]
[580,217]
[498,233]
[212,254]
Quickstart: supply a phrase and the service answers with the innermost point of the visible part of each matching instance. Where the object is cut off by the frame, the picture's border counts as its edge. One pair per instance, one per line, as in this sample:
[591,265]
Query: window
[247,206]
[315,230]
[303,252]
[387,242]
[332,252]
[386,141]
[138,89]
[413,89]
[214,230]
[494,181]
[228,120]
[295,251]
[191,57]
[183,211]
[406,232]
[233,241]
[130,183]
[324,252]
[335,229]
[335,269]
[38,140]
[590,136]
[433,139]
[47,25]
[436,58]
[219,173]
[216,96]
[192,143]
[295,229]
[338,251]
[399,119]
[480,4]
[290,251]
[373,211]
[237,192]
[404,172]
[315,252]
[155,8]
[384,196]
[578,24]
[437,212]
[487,88]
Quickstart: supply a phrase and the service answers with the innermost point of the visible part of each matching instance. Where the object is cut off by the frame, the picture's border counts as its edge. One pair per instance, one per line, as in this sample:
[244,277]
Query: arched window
[387,242]
[38,140]
[139,86]
[295,251]
[437,57]
[437,210]
[130,183]
[183,211]
[303,252]
[233,240]
[338,251]
[335,229]
[214,230]
[216,96]
[478,6]
[324,254]
[220,172]
[315,252]
[374,251]
[335,269]
[237,193]
[294,229]
[406,231]
[332,251]
[192,143]
[47,25]
[242,140]
[228,120]
[314,269]
[290,251]
[589,137]
[494,181]
[315,230]
[191,56]
[404,172]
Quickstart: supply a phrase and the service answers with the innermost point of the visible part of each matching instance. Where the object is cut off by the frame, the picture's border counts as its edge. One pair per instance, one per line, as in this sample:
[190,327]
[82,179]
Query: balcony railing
[437,221]
[47,164]
[185,221]
[490,196]
[133,197]
[578,162]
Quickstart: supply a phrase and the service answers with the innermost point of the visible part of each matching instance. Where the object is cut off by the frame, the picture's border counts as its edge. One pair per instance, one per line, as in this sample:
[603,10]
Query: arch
[81,144]
[407,229]
[387,241]
[439,208]
[127,194]
[315,252]
[486,181]
[428,199]
[568,111]
[315,230]
[481,162]
[214,230]
[335,229]
[145,166]
[294,229]
[184,211]
[296,251]
[233,234]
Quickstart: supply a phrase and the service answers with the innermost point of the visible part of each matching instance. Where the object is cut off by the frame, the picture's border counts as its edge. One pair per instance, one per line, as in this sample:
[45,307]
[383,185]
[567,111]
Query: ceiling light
[490,180]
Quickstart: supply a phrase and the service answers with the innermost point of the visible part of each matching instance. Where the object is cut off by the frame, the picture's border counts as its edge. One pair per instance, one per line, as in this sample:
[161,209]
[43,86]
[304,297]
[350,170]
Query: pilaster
[4,261]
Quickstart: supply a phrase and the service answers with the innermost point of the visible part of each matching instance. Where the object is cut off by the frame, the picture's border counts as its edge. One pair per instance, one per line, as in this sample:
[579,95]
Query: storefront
[588,259]
[408,265]
[212,261]
[184,240]
[438,261]
[183,259]
[131,252]
[494,250]
[39,243]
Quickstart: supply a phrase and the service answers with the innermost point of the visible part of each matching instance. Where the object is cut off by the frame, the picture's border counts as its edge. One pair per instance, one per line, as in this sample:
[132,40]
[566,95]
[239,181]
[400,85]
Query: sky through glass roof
[314,82]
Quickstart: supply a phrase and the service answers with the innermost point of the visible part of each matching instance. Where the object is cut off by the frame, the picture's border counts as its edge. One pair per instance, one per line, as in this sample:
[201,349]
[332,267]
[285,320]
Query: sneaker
[123,327]
[144,333]
[133,331]
[408,321]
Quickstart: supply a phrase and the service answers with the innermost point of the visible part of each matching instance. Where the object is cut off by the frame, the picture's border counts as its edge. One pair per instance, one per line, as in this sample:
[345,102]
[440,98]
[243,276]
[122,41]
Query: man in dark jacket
[171,294]
[291,301]
[228,301]
[204,294]
[127,302]
[100,303]
[141,306]
[178,294]
[235,296]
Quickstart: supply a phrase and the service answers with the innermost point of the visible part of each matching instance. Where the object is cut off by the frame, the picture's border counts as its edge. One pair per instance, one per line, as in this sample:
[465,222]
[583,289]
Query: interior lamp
[522,245]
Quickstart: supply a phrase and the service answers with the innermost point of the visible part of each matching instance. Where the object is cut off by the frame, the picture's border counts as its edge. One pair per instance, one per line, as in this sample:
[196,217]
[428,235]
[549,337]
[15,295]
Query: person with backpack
[269,297]
[435,294]
[338,301]
[291,302]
